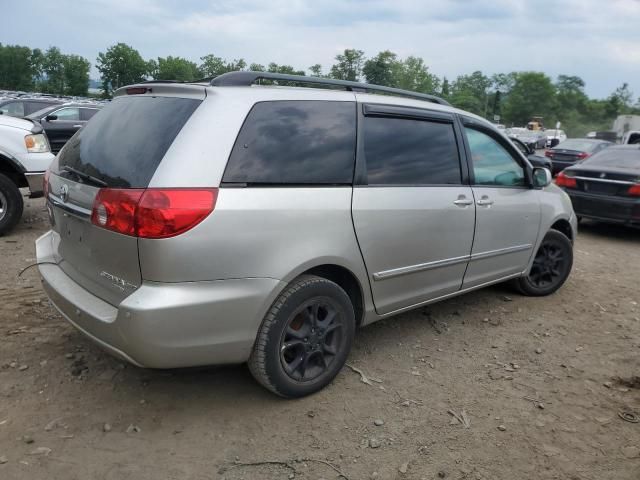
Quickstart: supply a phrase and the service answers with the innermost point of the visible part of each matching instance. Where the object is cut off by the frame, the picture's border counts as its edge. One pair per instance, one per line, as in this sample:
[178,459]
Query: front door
[60,130]
[507,209]
[413,214]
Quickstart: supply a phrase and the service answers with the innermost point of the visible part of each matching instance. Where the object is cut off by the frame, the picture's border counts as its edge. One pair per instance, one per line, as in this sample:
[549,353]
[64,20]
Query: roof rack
[248,78]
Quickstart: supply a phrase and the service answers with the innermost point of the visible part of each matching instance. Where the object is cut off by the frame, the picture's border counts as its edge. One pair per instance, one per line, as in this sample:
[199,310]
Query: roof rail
[248,78]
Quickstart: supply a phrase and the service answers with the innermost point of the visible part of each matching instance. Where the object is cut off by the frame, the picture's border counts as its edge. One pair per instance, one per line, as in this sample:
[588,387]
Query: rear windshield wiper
[83,176]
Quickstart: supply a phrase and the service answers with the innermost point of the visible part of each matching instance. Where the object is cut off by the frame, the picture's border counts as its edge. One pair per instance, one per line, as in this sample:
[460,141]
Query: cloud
[593,39]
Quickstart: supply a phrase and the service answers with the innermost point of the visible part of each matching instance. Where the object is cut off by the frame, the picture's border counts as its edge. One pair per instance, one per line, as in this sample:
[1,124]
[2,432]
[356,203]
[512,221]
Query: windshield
[124,143]
[616,157]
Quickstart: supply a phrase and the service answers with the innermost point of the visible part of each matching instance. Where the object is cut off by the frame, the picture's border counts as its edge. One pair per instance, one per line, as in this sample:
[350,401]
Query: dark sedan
[61,122]
[574,150]
[530,152]
[606,187]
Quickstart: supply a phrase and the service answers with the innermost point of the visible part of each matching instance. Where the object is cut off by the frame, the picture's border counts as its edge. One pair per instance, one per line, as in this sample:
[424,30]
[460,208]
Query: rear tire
[304,339]
[11,204]
[551,266]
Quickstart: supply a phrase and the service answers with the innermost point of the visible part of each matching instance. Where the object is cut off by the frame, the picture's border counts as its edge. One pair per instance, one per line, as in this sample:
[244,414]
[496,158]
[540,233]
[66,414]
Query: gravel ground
[491,385]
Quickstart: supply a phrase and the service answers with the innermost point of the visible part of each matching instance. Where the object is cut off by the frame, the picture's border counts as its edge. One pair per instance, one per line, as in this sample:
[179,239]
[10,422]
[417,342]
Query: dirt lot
[540,382]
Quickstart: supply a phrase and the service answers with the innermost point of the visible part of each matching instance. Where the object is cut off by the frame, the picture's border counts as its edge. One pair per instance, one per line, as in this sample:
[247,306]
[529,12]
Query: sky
[597,40]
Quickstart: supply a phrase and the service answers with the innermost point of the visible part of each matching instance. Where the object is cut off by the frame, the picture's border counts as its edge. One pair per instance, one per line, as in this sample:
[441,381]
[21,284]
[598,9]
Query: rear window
[295,142]
[616,157]
[123,145]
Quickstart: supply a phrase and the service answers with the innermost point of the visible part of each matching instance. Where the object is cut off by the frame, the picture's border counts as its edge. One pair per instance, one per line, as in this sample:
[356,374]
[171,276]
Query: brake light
[634,190]
[548,153]
[152,212]
[137,90]
[563,180]
[45,184]
[583,155]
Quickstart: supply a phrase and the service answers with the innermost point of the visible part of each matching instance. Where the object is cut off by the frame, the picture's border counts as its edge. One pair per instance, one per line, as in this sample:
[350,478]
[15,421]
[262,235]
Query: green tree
[570,94]
[414,75]
[76,75]
[285,69]
[53,71]
[17,68]
[316,70]
[213,66]
[349,66]
[257,67]
[471,93]
[445,89]
[383,69]
[533,93]
[120,65]
[174,68]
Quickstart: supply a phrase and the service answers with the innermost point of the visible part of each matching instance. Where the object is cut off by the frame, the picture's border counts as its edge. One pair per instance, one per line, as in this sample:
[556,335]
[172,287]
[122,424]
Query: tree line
[512,97]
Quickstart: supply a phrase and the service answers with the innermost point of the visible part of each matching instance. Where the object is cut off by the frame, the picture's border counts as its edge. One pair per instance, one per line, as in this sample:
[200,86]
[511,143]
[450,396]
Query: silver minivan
[230,221]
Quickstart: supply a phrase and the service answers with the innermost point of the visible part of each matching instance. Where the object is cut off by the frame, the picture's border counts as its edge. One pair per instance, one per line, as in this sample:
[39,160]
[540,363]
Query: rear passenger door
[413,210]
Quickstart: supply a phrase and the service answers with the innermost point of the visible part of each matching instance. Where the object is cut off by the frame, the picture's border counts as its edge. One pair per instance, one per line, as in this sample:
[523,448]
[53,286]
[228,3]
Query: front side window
[295,142]
[492,163]
[87,113]
[69,113]
[402,151]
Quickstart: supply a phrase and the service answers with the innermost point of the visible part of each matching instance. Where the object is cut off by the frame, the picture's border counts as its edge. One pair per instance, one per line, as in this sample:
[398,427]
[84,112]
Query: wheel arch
[563,226]
[11,168]
[342,274]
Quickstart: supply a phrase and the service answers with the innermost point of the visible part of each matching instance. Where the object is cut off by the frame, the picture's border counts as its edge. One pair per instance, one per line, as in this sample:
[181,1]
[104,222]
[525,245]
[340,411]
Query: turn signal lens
[36,143]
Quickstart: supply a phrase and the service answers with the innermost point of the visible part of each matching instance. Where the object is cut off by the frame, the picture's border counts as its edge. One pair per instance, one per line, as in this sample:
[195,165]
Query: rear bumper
[165,325]
[606,208]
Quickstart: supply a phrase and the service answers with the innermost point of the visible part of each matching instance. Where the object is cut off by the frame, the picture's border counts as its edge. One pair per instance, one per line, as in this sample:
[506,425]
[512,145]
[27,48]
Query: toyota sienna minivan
[249,220]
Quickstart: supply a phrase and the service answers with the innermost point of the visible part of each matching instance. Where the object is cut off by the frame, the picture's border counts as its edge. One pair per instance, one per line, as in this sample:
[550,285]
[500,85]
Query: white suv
[24,156]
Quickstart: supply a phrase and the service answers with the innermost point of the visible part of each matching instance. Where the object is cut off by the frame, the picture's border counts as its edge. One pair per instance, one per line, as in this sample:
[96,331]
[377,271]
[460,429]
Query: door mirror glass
[49,118]
[541,177]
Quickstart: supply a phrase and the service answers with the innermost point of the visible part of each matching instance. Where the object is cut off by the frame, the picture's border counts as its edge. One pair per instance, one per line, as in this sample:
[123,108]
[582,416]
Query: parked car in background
[24,157]
[532,138]
[534,159]
[554,137]
[268,249]
[574,150]
[23,106]
[61,122]
[606,186]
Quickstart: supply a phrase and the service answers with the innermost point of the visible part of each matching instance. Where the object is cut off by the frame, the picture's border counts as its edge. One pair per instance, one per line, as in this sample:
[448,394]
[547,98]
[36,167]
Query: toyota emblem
[64,192]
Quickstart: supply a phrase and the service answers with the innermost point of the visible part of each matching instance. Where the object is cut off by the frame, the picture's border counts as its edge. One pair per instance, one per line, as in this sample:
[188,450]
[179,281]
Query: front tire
[305,338]
[11,204]
[551,266]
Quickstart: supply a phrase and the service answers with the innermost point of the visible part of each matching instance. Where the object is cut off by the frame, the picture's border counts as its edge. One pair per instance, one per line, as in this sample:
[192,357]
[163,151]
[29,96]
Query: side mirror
[541,177]
[48,118]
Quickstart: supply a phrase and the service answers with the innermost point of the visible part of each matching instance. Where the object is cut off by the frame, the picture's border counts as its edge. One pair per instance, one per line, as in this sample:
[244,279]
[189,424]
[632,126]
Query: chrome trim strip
[34,181]
[396,272]
[501,251]
[604,180]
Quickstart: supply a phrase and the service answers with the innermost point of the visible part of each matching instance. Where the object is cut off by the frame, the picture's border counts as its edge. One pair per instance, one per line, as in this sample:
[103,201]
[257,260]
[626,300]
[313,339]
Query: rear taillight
[548,153]
[563,180]
[634,190]
[583,155]
[45,184]
[152,212]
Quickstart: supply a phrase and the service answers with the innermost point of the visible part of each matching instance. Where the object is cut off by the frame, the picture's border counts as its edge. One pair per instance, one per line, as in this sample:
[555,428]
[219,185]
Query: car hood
[15,122]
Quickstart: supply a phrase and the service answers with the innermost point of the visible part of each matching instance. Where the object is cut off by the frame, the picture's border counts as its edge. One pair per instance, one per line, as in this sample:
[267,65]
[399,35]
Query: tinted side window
[492,163]
[295,142]
[410,152]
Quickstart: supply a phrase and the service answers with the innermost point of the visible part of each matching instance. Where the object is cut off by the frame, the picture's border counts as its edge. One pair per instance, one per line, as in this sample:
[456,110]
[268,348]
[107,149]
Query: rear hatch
[120,148]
